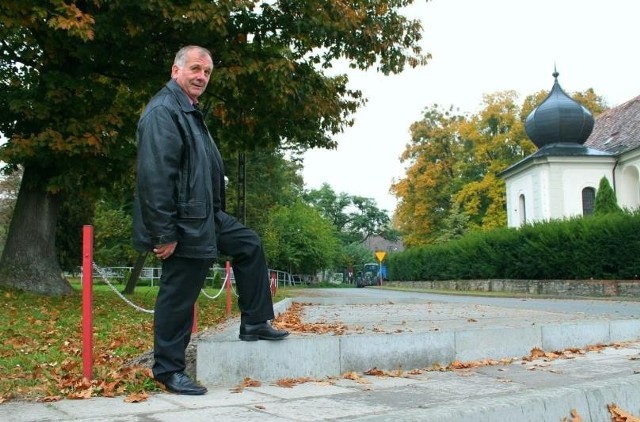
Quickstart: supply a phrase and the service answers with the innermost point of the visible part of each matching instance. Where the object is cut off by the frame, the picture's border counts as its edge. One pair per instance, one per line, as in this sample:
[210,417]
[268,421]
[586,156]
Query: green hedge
[604,247]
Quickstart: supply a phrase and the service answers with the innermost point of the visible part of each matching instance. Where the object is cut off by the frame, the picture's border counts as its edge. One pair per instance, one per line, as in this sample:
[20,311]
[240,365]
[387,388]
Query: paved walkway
[388,357]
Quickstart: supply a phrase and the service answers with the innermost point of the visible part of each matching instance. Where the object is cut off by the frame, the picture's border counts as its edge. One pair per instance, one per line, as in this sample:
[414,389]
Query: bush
[599,247]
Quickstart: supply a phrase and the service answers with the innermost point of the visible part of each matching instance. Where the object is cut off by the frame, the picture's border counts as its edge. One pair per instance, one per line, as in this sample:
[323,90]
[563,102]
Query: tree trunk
[29,260]
[135,274]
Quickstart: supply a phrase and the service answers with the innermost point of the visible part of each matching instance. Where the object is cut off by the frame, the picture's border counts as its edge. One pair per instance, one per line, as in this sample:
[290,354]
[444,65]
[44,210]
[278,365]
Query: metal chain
[106,280]
[226,280]
[102,274]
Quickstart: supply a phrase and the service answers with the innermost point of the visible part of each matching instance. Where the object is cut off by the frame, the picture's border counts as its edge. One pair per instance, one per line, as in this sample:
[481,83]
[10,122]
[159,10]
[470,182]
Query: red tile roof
[617,130]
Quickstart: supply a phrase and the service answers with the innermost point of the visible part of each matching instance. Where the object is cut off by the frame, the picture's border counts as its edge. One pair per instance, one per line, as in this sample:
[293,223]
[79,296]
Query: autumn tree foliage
[75,76]
[454,160]
[431,180]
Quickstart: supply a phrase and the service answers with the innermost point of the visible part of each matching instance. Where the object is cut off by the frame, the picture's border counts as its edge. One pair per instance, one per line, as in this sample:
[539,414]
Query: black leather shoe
[261,331]
[180,383]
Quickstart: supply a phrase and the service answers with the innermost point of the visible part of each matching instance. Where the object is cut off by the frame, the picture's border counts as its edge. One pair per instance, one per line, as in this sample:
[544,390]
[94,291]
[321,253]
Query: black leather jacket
[180,177]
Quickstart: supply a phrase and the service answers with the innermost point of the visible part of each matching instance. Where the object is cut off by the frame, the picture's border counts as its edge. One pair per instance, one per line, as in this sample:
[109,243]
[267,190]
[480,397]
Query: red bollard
[87,302]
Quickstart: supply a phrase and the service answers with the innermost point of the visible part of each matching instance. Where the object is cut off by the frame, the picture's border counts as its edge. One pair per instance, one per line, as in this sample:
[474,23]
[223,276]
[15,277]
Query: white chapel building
[575,151]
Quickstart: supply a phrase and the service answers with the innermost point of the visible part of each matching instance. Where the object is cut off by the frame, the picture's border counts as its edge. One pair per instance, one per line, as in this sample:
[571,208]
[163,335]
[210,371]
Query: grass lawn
[41,348]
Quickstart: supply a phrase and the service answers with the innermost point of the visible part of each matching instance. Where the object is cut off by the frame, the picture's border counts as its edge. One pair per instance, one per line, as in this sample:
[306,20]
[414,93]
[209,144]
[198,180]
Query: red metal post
[87,302]
[227,280]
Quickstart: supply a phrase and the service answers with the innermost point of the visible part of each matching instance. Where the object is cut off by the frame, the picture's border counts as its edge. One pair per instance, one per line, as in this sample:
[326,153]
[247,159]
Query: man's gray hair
[181,55]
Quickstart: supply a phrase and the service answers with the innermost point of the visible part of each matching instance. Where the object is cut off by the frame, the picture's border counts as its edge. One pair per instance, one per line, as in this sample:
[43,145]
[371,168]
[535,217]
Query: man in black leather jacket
[179,216]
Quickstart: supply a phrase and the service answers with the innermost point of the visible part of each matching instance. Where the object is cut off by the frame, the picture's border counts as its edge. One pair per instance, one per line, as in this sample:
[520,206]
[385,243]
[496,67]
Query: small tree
[606,201]
[298,239]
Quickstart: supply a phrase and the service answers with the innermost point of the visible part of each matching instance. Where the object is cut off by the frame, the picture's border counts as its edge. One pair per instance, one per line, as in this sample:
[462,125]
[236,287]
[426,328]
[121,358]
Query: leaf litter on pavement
[292,320]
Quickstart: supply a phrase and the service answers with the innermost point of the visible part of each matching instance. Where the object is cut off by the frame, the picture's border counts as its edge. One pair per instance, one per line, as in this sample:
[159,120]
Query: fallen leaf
[290,382]
[351,375]
[136,397]
[619,415]
[49,399]
[536,353]
[248,382]
[374,371]
[575,417]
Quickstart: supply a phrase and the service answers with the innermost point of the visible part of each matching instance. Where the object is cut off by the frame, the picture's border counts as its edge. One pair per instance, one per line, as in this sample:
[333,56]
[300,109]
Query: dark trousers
[183,278]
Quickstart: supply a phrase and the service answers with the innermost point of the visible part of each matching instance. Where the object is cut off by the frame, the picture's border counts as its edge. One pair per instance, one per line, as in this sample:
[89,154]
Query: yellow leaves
[136,397]
[291,320]
[575,417]
[92,140]
[290,382]
[246,382]
[352,375]
[71,19]
[111,385]
[374,371]
[77,388]
[537,353]
[283,382]
[619,415]
[49,399]
[476,364]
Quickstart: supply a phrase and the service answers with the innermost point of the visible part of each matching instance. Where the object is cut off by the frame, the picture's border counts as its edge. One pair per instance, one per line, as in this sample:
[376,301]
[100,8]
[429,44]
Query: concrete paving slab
[19,411]
[399,333]
[302,390]
[109,406]
[249,414]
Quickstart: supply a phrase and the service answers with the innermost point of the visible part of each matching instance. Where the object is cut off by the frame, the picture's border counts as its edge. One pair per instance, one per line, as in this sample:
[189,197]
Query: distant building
[575,151]
[378,243]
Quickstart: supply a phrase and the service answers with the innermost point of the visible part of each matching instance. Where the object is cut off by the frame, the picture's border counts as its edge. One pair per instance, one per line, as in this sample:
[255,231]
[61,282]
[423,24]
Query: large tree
[75,76]
[433,176]
[497,136]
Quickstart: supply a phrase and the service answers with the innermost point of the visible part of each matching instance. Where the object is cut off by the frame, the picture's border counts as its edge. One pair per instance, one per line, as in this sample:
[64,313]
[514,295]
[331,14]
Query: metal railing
[152,275]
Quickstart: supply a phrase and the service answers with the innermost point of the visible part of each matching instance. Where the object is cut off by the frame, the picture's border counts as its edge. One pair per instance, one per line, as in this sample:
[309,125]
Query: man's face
[193,77]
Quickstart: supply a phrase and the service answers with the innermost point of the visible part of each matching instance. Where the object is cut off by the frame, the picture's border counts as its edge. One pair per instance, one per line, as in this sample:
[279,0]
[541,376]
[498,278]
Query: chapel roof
[614,132]
[559,118]
[617,130]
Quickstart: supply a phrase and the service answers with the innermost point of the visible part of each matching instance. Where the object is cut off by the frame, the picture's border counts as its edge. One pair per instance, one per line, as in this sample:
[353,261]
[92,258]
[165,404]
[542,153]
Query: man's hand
[165,251]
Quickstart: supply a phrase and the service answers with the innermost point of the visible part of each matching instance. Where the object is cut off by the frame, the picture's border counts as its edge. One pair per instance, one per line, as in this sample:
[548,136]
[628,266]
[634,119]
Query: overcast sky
[480,47]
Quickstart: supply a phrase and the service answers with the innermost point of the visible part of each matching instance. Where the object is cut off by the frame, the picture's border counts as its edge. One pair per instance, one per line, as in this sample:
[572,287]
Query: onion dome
[559,119]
